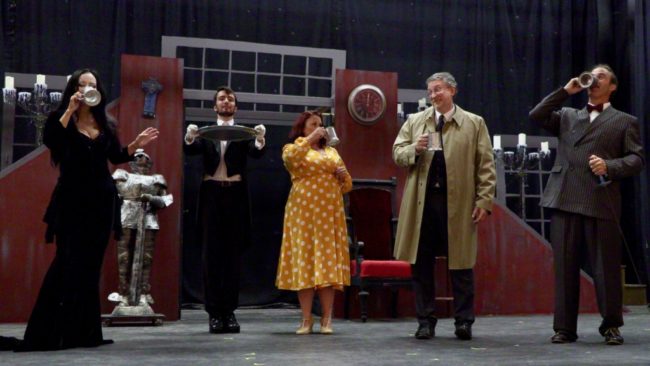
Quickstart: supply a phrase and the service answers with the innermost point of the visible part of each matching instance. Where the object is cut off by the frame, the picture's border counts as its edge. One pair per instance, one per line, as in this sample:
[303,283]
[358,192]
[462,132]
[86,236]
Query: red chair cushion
[372,268]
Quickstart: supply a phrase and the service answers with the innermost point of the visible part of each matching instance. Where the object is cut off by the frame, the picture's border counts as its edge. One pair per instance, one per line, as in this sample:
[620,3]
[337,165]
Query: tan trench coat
[471,182]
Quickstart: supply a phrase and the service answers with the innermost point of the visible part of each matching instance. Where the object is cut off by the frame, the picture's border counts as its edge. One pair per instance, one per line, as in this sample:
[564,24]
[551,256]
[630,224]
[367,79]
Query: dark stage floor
[267,339]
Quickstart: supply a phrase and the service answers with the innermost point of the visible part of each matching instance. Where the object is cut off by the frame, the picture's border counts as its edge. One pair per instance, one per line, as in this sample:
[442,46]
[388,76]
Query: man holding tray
[224,215]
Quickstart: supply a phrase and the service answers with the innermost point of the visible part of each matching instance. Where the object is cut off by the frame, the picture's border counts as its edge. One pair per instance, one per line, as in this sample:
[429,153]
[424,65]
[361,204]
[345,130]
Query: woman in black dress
[83,211]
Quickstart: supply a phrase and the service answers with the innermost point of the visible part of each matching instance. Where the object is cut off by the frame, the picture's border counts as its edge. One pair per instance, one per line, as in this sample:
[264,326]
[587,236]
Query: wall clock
[366,104]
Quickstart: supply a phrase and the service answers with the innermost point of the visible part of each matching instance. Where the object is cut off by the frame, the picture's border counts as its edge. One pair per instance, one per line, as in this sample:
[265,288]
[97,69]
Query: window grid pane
[256,72]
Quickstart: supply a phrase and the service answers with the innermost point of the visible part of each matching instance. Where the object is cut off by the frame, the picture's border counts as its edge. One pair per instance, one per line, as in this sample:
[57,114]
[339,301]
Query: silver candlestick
[39,103]
[520,163]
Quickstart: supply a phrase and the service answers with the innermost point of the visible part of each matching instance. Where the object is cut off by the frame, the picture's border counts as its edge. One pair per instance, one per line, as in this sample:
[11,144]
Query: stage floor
[267,338]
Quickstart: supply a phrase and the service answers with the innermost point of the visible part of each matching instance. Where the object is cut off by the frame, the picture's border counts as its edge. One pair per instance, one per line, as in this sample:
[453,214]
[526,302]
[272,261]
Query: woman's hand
[316,135]
[144,138]
[75,102]
[340,174]
[73,105]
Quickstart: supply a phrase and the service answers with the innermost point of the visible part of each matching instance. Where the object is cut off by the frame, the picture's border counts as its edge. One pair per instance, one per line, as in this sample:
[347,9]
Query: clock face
[366,104]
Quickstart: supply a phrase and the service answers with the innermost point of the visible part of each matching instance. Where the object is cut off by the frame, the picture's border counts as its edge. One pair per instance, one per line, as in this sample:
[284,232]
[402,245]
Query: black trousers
[577,238]
[224,224]
[433,243]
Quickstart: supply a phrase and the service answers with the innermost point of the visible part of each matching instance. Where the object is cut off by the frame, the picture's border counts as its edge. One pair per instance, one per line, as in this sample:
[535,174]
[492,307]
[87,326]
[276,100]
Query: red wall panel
[166,153]
[514,269]
[26,186]
[25,189]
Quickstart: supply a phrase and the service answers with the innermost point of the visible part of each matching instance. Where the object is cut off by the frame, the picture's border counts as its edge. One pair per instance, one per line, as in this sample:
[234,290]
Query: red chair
[372,264]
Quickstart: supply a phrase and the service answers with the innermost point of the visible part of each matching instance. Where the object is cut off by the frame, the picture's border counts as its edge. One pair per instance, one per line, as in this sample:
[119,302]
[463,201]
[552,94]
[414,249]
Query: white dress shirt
[222,170]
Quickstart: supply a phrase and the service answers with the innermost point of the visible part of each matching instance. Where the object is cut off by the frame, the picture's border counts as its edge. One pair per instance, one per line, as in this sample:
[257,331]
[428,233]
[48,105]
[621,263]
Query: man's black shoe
[425,331]
[563,337]
[613,337]
[464,331]
[216,326]
[230,324]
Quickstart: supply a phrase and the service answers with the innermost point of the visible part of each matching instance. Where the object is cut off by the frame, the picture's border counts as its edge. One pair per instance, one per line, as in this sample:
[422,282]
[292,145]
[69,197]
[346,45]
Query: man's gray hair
[444,76]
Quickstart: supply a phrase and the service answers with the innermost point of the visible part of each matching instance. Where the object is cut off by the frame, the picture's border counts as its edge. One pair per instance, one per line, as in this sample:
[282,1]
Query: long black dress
[82,212]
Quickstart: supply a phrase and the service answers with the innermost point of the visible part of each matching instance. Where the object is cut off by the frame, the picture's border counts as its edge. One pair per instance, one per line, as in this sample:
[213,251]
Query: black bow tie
[591,108]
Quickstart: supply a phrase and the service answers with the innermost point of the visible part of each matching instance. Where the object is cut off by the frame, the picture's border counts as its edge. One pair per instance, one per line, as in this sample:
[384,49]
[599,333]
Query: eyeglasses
[436,90]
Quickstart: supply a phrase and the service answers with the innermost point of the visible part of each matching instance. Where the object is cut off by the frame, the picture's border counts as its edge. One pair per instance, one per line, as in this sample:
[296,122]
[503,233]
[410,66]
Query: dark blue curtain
[505,54]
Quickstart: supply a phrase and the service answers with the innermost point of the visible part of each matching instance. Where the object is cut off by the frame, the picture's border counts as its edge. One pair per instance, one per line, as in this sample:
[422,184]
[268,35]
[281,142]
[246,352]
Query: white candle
[67,78]
[544,146]
[9,82]
[522,139]
[40,79]
[497,142]
[399,108]
[422,103]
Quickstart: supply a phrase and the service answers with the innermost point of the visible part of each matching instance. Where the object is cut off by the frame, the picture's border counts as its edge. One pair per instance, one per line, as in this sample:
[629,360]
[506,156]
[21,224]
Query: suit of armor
[143,194]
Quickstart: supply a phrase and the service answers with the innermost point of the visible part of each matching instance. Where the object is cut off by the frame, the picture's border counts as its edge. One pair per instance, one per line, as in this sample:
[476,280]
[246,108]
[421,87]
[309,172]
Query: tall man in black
[224,214]
[597,147]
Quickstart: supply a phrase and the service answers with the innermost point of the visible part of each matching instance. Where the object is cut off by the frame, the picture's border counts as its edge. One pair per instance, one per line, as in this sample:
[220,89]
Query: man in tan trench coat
[450,188]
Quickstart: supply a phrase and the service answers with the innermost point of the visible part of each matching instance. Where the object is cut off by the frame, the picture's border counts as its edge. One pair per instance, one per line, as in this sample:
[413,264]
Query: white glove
[261,131]
[191,133]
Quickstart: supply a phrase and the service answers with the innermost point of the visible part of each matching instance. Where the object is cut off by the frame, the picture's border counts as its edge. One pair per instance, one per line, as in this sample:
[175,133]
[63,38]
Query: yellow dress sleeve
[293,155]
[346,185]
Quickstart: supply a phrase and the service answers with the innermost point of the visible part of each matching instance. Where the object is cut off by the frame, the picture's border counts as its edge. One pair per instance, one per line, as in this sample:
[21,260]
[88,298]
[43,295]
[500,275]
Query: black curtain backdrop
[640,108]
[506,56]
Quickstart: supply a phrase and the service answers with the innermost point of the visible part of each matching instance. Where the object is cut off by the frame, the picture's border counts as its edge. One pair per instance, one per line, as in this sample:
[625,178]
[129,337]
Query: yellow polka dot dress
[314,251]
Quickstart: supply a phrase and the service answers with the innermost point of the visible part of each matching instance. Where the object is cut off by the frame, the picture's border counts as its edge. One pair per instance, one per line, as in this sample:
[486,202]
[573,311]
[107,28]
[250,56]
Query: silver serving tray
[227,133]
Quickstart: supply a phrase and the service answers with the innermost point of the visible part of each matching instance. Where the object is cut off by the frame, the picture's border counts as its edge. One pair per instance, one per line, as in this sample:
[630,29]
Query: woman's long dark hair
[299,127]
[98,111]
[104,122]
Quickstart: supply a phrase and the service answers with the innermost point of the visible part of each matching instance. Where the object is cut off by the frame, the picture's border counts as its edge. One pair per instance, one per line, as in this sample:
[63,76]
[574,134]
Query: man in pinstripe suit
[597,145]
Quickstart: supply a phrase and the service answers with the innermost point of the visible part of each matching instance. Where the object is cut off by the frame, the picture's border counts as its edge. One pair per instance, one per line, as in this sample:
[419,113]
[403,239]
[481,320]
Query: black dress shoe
[613,337]
[563,337]
[464,331]
[217,326]
[230,324]
[425,331]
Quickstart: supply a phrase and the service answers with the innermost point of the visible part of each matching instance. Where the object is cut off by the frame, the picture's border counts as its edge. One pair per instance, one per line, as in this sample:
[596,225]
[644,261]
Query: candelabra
[519,162]
[38,103]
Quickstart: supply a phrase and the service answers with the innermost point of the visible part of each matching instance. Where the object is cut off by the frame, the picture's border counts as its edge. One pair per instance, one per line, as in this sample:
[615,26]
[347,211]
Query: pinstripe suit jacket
[613,136]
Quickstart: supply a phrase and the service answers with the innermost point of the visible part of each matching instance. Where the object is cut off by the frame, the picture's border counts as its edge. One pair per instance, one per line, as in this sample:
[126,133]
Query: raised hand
[316,135]
[261,130]
[145,137]
[75,102]
[192,131]
[573,86]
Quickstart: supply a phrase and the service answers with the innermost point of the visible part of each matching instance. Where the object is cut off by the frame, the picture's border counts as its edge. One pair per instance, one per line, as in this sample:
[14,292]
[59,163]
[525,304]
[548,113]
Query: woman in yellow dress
[314,255]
